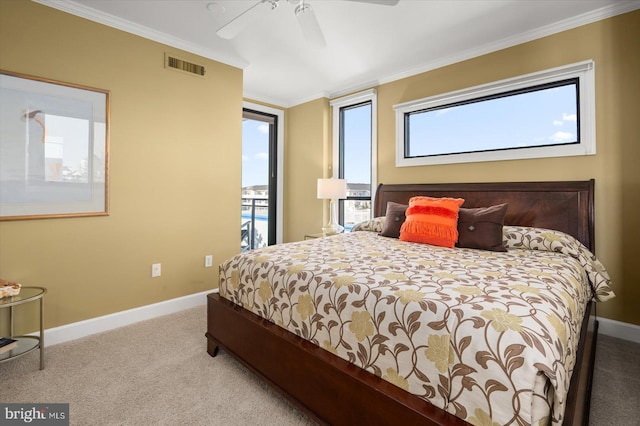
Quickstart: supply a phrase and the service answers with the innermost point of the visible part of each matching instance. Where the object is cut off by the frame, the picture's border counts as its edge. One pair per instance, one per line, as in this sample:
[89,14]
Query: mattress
[490,337]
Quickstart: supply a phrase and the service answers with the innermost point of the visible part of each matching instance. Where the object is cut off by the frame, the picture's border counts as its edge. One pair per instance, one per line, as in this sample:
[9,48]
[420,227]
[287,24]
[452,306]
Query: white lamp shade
[332,188]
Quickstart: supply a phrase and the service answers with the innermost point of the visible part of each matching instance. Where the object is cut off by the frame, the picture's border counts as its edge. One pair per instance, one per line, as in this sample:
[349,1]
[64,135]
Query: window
[354,154]
[262,171]
[545,114]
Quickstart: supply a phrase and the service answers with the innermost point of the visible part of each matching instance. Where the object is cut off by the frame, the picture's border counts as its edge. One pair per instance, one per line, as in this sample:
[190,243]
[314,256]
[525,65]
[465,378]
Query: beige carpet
[158,372]
[615,398]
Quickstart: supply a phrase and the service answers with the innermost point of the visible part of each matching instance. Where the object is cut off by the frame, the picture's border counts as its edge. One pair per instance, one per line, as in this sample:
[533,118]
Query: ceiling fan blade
[309,25]
[380,2]
[242,21]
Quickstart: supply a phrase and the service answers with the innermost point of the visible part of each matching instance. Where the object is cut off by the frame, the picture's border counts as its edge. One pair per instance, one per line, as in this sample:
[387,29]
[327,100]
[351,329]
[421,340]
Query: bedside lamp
[332,189]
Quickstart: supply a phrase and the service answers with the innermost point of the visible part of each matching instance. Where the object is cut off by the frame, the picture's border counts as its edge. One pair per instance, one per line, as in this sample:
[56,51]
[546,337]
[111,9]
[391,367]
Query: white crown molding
[284,103]
[80,10]
[306,99]
[354,89]
[547,30]
[280,102]
[557,27]
[91,14]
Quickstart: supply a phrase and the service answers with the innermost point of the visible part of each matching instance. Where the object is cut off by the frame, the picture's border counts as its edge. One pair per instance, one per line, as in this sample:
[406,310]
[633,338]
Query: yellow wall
[307,157]
[172,184]
[614,45]
[305,160]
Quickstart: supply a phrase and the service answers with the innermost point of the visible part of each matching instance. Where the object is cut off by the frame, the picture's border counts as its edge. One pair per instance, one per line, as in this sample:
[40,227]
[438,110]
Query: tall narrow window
[261,221]
[354,159]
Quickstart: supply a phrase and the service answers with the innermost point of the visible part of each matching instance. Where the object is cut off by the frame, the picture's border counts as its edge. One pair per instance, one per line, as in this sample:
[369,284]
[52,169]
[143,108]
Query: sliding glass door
[259,179]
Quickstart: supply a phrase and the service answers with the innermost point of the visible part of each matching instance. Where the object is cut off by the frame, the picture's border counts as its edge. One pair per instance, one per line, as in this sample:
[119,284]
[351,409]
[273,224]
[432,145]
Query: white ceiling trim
[564,25]
[141,30]
[354,89]
[266,100]
[325,94]
[236,61]
[286,104]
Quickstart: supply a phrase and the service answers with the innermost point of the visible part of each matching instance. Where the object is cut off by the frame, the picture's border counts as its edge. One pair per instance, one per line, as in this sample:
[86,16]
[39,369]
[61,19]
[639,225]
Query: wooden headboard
[563,206]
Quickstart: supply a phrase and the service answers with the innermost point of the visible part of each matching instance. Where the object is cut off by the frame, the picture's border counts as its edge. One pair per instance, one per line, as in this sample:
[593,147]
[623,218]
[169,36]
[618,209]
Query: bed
[336,381]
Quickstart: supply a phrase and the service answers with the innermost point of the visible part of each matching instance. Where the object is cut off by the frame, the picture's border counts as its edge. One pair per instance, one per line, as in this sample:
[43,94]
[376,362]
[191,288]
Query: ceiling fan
[303,11]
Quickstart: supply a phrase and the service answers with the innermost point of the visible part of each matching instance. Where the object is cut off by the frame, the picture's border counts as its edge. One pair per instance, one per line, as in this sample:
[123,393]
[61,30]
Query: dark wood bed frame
[330,390]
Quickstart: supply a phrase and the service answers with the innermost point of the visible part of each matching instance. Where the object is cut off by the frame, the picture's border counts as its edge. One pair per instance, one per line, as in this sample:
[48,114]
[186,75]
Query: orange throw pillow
[432,221]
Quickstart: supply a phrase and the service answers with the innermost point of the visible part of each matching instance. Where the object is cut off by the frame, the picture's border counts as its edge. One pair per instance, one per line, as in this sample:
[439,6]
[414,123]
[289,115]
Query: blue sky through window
[255,153]
[255,148]
[357,144]
[538,118]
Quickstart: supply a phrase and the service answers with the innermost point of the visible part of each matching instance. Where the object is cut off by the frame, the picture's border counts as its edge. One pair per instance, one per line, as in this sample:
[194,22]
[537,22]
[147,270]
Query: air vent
[173,63]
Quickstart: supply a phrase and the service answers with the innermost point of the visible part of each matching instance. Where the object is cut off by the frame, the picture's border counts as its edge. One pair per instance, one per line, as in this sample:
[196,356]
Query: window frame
[337,106]
[278,115]
[582,71]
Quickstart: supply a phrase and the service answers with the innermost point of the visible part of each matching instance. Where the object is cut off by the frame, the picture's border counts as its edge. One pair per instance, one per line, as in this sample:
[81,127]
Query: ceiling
[366,44]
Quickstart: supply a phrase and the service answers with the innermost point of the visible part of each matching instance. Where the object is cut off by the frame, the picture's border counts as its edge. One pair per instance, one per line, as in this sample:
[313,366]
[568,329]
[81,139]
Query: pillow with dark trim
[432,221]
[481,228]
[394,219]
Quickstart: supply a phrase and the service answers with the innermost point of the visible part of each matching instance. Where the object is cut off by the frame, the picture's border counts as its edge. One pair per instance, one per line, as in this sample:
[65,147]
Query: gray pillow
[481,228]
[394,219]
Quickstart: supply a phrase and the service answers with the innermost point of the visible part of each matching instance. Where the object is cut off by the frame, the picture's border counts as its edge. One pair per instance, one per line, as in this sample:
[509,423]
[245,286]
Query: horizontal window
[546,114]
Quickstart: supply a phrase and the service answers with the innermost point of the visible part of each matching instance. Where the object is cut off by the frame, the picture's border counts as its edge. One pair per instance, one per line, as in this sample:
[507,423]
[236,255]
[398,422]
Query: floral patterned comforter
[490,337]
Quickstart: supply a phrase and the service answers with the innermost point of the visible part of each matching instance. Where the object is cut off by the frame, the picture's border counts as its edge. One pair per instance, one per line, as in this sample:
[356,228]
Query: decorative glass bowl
[8,289]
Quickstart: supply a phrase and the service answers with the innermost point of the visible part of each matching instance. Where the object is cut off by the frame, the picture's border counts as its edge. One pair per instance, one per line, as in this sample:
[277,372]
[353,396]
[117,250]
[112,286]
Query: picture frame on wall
[54,148]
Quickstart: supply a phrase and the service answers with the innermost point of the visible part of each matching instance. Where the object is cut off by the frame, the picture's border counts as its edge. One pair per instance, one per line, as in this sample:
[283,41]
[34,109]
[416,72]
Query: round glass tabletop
[26,294]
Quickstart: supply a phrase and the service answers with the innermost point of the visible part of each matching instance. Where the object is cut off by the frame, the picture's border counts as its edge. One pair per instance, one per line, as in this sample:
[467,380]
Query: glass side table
[25,344]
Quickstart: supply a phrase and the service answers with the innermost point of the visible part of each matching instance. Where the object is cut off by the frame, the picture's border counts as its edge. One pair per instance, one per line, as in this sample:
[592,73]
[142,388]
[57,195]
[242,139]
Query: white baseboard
[65,333]
[76,330]
[621,330]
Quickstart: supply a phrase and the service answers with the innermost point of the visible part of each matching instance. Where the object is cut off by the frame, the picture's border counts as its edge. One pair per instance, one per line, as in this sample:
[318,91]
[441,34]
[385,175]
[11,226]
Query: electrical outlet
[156,270]
[208,261]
